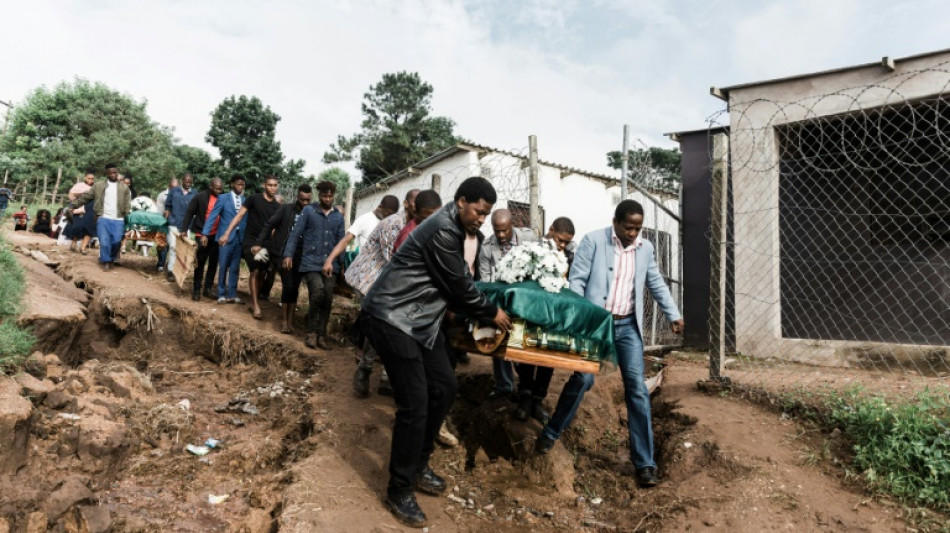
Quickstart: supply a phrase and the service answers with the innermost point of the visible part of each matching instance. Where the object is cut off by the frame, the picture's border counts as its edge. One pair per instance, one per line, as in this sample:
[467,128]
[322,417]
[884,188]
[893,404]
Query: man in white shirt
[112,202]
[160,201]
[364,225]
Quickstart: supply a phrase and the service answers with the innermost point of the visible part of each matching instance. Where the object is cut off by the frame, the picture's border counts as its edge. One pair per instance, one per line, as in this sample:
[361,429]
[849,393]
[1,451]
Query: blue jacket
[318,233]
[176,203]
[592,274]
[225,209]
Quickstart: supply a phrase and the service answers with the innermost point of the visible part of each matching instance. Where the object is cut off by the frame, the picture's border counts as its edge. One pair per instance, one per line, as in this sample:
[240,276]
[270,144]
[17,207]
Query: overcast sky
[570,72]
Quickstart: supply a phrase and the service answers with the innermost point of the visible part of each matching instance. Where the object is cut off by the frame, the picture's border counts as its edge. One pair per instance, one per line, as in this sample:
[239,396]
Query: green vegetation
[15,342]
[243,130]
[654,168]
[398,129]
[901,446]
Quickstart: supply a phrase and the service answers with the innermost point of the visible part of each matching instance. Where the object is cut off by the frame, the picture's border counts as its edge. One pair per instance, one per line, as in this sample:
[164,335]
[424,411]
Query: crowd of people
[414,275]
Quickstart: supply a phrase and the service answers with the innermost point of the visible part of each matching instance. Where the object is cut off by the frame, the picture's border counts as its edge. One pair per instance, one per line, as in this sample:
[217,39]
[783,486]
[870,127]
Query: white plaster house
[587,198]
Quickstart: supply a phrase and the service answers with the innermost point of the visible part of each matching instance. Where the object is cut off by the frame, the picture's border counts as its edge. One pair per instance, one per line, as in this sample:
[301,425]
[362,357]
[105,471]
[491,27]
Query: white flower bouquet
[538,261]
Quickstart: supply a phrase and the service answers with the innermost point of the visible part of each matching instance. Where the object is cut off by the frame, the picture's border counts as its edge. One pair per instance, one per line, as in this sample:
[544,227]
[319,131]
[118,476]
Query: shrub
[15,342]
[902,447]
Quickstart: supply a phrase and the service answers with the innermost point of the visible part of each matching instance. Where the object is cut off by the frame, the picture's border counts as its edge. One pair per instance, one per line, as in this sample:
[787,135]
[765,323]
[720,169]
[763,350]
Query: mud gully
[128,371]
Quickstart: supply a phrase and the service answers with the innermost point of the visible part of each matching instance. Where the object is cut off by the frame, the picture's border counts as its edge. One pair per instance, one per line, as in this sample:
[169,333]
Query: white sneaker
[222,300]
[238,301]
[446,438]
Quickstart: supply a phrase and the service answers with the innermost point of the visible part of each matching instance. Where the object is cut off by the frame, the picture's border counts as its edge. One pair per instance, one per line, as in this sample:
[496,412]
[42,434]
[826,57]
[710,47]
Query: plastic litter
[215,499]
[69,416]
[184,405]
[197,450]
[212,443]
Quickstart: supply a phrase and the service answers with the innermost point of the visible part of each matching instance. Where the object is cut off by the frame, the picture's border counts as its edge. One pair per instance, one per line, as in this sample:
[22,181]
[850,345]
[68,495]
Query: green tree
[397,129]
[199,162]
[652,167]
[243,130]
[338,176]
[293,171]
[81,124]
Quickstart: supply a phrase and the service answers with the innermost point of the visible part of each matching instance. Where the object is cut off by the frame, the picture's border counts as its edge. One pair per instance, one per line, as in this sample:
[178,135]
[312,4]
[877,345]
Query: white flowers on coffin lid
[538,261]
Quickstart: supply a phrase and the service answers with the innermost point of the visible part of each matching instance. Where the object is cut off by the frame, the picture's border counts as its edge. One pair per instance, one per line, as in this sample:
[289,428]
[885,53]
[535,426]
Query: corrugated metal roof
[385,183]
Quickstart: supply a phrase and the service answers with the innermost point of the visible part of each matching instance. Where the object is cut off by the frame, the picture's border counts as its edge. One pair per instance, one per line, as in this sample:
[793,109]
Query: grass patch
[15,342]
[901,446]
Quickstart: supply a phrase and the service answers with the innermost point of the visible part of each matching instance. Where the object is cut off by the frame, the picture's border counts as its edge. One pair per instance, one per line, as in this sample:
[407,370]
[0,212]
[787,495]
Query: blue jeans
[629,347]
[162,254]
[229,267]
[504,374]
[110,233]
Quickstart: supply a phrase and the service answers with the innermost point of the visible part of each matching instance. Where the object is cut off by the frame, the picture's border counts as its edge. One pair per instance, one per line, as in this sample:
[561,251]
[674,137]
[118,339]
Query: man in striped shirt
[612,267]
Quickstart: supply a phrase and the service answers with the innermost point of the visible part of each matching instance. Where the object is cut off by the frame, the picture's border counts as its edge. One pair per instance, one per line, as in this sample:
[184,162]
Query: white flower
[538,261]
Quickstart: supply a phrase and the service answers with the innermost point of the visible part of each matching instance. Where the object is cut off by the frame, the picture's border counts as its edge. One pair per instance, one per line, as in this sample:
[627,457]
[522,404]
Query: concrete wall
[755,112]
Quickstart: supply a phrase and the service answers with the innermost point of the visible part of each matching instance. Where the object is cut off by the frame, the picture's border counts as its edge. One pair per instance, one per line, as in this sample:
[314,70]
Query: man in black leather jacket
[402,313]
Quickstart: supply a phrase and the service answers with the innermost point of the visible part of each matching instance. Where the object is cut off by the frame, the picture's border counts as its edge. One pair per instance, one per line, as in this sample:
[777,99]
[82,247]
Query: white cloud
[570,72]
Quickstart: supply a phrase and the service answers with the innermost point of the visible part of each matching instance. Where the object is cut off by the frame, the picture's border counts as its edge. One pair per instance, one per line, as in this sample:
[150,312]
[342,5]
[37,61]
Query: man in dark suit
[197,213]
[229,252]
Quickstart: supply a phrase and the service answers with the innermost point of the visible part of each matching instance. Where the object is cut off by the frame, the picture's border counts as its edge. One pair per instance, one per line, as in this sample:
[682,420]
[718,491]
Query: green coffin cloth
[148,221]
[348,258]
[565,313]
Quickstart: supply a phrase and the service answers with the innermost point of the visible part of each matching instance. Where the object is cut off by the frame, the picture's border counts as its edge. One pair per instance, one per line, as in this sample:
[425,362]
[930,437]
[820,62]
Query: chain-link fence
[829,238]
[510,173]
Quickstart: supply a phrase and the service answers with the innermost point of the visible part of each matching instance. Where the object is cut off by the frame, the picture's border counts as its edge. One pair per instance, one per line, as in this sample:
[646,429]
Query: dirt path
[315,458]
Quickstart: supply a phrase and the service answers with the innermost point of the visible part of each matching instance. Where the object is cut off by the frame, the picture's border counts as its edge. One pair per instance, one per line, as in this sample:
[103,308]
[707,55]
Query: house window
[521,214]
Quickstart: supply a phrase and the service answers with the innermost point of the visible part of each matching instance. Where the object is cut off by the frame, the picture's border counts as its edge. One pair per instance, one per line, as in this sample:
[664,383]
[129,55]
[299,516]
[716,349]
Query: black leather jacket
[427,275]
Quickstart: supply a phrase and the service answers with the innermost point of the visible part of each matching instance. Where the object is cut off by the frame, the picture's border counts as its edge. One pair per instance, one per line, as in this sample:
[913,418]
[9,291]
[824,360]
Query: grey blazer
[490,255]
[592,275]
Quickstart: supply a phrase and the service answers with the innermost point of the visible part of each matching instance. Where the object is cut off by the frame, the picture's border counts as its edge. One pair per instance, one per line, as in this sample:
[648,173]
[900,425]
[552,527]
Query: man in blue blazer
[611,268]
[229,248]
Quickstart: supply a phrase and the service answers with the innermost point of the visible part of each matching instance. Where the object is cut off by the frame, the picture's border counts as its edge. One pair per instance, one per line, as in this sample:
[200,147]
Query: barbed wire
[831,237]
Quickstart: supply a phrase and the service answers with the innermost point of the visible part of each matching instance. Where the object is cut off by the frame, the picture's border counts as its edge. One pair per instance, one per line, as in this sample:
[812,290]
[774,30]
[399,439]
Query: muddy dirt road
[149,371]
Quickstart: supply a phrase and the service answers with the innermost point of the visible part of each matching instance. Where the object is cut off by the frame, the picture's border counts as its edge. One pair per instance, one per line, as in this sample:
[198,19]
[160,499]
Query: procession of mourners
[432,286]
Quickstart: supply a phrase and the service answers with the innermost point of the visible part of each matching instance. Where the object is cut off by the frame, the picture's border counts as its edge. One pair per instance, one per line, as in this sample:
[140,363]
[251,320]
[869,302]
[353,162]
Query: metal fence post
[718,227]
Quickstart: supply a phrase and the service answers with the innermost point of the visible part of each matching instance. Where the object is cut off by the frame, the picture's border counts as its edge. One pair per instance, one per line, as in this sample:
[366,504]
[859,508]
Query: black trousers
[424,388]
[533,380]
[320,288]
[205,256]
[290,286]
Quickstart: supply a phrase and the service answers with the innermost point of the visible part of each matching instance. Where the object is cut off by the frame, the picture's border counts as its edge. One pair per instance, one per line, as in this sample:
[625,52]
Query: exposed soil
[314,458]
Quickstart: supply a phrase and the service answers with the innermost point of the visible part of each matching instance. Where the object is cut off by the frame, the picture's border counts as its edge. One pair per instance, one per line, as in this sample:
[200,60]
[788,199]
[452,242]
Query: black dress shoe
[213,294]
[361,382]
[196,296]
[524,407]
[430,483]
[646,477]
[538,413]
[544,444]
[407,511]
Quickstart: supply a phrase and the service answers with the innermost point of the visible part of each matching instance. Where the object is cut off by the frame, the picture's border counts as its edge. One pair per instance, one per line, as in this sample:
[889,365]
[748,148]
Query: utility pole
[624,162]
[6,117]
[6,122]
[534,213]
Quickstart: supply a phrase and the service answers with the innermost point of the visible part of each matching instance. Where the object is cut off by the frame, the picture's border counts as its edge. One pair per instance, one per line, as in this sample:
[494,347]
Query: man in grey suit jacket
[611,268]
[504,238]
